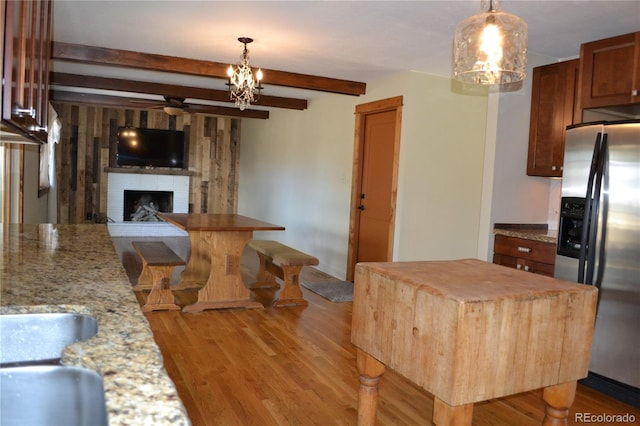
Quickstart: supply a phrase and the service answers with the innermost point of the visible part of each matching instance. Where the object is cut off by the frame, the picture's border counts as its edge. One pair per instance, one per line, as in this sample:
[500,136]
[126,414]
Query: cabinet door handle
[634,92]
[21,112]
[524,249]
[518,266]
[553,168]
[527,268]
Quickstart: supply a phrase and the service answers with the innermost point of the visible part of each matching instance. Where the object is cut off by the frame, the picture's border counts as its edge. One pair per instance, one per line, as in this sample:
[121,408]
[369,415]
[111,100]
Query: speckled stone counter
[527,232]
[75,268]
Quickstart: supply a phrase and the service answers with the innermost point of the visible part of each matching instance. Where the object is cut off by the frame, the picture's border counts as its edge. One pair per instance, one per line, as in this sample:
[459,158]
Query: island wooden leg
[447,415]
[558,399]
[370,370]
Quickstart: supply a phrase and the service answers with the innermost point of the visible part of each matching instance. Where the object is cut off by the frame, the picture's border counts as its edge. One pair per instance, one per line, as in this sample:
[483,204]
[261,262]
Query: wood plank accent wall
[88,146]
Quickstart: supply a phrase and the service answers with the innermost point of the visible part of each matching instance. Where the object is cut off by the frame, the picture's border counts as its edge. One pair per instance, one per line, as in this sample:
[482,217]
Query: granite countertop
[75,268]
[535,232]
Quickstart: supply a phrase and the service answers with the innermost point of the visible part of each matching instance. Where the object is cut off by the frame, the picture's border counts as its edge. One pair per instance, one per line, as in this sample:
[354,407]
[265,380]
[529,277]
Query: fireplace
[119,216]
[143,206]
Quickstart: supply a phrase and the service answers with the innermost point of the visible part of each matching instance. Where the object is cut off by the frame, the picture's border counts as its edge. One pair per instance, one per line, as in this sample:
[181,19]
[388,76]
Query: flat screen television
[150,147]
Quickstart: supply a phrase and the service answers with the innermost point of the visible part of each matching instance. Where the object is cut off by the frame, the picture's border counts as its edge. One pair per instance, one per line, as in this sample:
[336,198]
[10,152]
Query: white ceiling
[352,40]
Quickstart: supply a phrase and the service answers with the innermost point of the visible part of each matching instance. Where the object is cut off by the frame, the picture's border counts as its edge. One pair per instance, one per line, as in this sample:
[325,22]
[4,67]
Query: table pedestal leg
[370,370]
[196,272]
[558,399]
[447,415]
[224,288]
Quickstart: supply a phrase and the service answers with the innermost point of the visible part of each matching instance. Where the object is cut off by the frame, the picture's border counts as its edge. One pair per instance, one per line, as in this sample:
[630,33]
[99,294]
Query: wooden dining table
[217,242]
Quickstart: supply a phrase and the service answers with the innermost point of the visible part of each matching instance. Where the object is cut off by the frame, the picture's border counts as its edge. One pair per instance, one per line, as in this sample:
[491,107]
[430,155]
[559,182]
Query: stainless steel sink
[51,395]
[41,338]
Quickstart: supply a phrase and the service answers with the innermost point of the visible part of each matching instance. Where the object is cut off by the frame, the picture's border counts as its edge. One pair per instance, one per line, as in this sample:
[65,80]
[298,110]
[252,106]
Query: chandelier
[244,88]
[490,47]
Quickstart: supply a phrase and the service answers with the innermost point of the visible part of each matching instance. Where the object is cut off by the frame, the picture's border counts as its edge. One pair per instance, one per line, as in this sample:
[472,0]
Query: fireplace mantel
[150,171]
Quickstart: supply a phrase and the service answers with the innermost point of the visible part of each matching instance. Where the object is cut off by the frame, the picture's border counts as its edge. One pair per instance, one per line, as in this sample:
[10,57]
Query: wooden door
[374,182]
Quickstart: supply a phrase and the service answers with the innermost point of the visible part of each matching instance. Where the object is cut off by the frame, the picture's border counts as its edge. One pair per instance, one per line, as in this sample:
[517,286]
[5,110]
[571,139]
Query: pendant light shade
[490,47]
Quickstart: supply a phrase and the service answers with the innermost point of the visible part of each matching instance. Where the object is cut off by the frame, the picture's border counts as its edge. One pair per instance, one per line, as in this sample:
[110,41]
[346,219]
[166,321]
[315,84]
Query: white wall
[510,195]
[295,170]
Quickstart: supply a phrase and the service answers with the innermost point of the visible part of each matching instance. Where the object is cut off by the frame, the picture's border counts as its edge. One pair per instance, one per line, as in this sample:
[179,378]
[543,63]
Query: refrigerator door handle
[604,214]
[586,219]
[595,212]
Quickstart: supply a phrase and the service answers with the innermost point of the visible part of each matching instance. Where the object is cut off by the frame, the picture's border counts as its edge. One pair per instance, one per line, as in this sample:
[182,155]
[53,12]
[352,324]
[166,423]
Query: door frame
[361,112]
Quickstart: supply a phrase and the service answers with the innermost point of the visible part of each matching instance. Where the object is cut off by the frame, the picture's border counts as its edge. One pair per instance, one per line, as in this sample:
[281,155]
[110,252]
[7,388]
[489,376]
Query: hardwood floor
[296,366]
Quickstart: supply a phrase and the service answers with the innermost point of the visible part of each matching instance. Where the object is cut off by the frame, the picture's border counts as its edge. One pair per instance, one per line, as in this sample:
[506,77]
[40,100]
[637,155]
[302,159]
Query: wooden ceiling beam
[148,61]
[172,90]
[139,103]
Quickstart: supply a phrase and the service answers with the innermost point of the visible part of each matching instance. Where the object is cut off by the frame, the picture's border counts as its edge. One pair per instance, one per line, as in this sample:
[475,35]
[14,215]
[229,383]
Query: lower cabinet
[528,255]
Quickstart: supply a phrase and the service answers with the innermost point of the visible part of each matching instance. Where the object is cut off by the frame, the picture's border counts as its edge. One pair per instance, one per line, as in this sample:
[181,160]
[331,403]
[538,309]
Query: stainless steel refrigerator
[599,240]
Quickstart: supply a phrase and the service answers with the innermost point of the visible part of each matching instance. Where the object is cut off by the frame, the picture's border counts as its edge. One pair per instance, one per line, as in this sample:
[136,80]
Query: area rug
[335,291]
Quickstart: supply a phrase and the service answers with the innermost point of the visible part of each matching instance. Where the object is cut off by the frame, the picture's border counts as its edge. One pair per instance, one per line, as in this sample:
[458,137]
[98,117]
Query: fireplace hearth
[143,206]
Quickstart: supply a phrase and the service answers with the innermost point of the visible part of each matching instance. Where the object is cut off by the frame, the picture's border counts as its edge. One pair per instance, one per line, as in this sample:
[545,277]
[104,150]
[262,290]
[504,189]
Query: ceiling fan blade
[174,101]
[146,103]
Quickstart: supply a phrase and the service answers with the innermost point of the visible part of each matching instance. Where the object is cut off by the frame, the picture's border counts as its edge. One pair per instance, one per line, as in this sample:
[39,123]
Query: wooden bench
[158,262]
[278,260]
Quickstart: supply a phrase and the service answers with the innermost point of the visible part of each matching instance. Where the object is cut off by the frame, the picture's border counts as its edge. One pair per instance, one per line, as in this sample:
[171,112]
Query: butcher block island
[75,268]
[469,331]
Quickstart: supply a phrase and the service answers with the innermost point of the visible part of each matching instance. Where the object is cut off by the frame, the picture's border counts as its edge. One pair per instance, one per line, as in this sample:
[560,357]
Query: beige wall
[441,165]
[35,209]
[295,170]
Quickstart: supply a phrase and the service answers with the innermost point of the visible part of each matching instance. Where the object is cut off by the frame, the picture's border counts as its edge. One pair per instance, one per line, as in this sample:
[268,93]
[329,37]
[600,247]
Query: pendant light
[490,48]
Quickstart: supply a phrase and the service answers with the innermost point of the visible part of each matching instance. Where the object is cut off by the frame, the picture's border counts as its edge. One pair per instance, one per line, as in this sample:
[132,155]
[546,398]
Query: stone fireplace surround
[119,182]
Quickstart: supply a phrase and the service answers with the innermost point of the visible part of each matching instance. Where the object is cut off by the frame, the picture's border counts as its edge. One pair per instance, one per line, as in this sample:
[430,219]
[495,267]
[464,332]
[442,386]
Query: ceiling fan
[172,105]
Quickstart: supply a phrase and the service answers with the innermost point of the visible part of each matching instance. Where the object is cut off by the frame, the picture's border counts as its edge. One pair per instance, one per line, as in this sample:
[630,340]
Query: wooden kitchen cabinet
[26,56]
[528,255]
[553,100]
[610,72]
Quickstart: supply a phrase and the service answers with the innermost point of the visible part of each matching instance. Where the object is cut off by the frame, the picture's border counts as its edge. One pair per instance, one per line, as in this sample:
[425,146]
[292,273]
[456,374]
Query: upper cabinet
[610,72]
[26,51]
[553,100]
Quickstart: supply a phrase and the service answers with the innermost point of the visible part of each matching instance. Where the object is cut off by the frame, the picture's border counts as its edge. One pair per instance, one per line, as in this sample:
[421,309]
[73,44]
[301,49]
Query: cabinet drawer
[519,248]
[524,265]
